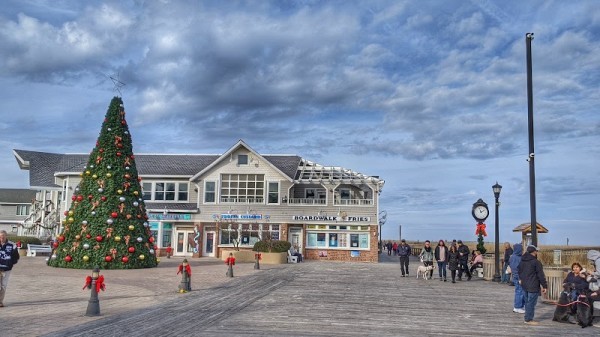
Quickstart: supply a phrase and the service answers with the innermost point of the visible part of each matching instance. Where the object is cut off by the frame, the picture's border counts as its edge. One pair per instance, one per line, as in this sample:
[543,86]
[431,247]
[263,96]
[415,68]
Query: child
[169,250]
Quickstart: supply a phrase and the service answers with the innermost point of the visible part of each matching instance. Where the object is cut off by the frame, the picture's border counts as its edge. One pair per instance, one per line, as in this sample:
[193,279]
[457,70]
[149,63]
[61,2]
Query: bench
[33,250]
[291,258]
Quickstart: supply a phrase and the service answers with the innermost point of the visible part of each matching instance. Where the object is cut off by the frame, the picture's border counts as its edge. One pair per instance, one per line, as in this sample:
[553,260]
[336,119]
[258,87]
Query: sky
[431,96]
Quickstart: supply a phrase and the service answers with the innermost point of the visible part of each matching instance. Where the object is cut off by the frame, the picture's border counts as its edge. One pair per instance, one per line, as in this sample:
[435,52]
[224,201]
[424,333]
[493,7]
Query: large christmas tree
[106,225]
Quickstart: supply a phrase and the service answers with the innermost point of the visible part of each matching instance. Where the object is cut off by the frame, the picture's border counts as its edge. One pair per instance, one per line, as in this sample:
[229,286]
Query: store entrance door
[185,243]
[295,238]
[209,244]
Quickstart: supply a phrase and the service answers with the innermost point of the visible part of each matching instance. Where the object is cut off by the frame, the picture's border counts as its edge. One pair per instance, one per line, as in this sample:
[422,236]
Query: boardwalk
[307,299]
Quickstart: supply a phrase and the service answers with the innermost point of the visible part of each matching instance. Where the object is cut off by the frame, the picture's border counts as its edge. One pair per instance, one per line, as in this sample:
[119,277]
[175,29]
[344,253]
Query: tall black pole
[531,158]
[497,243]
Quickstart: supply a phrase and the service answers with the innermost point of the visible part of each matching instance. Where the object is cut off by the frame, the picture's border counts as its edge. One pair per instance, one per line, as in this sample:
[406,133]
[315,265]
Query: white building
[201,204]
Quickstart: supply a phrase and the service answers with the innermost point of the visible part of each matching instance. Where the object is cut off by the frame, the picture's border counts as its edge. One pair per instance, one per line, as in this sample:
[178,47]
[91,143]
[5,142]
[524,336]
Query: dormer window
[242,159]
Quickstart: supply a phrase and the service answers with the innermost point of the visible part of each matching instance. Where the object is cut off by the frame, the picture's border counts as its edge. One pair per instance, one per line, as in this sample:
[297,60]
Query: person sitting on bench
[477,261]
[295,252]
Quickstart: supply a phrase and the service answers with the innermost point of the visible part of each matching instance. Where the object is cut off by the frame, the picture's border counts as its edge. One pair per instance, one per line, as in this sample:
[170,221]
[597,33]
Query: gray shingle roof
[16,195]
[171,206]
[43,165]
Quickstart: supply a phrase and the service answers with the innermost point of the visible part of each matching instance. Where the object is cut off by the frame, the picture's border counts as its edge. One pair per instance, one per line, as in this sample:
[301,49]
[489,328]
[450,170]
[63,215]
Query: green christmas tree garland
[107,225]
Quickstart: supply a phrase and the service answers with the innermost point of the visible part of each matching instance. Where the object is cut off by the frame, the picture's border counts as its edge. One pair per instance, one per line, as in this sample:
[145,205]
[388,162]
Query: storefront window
[333,239]
[321,237]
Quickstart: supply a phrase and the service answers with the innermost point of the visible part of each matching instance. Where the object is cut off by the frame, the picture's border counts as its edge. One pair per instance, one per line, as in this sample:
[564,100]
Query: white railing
[244,200]
[353,202]
[307,201]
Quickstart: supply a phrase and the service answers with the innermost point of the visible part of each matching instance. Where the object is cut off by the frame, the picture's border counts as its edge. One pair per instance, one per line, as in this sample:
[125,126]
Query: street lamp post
[382,220]
[497,188]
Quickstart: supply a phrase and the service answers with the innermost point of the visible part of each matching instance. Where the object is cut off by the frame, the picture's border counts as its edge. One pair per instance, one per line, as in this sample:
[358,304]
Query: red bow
[88,283]
[230,261]
[100,284]
[188,270]
[480,229]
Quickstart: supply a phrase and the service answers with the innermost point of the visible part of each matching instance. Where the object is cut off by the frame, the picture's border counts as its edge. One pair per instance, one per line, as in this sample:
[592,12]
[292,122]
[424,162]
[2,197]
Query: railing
[353,202]
[306,201]
[244,200]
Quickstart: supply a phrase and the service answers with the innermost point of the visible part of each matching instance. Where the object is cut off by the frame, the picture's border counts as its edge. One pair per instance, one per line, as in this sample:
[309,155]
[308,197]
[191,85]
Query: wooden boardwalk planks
[336,299]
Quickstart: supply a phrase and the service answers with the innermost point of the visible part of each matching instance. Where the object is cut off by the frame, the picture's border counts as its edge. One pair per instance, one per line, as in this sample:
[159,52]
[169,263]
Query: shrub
[277,246]
[25,240]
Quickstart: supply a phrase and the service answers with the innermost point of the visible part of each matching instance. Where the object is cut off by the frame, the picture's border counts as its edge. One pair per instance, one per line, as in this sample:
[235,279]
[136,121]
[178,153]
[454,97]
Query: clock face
[480,212]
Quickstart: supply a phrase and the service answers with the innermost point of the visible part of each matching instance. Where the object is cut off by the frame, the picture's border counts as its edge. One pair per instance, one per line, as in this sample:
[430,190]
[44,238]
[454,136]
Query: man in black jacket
[531,278]
[404,252]
[463,261]
[9,256]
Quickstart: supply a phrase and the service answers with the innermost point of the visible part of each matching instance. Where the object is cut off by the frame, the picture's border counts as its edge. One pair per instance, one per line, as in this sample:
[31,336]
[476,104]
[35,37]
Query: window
[167,191]
[337,240]
[310,193]
[22,209]
[273,197]
[182,191]
[147,191]
[209,191]
[242,159]
[333,239]
[243,188]
[248,234]
[164,191]
[345,194]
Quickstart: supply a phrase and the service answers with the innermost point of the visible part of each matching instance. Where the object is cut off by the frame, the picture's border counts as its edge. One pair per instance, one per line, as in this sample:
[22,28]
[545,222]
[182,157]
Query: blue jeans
[505,277]
[530,302]
[442,268]
[519,296]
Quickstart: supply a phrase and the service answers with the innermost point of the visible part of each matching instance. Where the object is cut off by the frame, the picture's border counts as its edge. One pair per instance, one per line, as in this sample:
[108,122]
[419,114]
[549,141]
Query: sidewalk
[42,299]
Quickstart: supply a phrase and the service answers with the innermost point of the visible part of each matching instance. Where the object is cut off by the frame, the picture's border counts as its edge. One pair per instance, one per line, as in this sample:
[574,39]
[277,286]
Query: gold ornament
[85,258]
[108,175]
[95,176]
[119,191]
[71,220]
[142,256]
[131,227]
[117,238]
[87,173]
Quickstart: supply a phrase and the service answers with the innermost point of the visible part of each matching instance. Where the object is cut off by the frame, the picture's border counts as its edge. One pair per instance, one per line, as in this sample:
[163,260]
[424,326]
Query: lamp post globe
[497,188]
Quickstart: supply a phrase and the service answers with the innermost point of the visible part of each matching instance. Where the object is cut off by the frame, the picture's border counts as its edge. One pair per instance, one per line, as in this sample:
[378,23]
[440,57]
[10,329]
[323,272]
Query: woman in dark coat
[453,261]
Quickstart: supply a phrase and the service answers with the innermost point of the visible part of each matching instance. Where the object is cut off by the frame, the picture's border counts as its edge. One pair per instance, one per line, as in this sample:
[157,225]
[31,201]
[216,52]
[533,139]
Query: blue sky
[428,95]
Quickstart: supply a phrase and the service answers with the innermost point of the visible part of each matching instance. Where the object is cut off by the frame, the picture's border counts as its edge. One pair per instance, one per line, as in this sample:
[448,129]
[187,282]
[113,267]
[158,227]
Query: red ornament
[61,238]
[103,198]
[101,150]
[99,238]
[151,239]
[120,145]
[108,258]
[139,216]
[73,197]
[87,236]
[55,244]
[114,215]
[131,249]
[132,157]
[125,259]
[80,197]
[66,213]
[118,154]
[127,176]
[68,258]
[90,197]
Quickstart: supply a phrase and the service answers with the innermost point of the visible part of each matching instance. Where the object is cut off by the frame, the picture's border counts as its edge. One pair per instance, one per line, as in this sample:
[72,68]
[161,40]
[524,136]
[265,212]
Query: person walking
[508,251]
[388,246]
[9,256]
[513,262]
[395,248]
[427,256]
[463,261]
[404,252]
[441,256]
[532,278]
[453,261]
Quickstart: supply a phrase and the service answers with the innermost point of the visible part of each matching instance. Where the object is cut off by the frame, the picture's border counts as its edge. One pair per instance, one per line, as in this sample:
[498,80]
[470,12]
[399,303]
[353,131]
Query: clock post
[480,212]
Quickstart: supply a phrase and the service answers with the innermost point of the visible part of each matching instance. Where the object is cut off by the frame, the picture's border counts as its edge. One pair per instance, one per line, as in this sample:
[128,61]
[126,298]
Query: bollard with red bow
[95,283]
[257,257]
[186,277]
[230,261]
